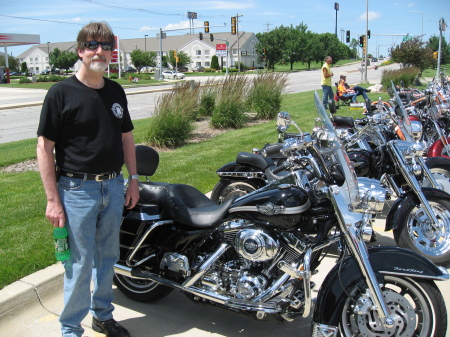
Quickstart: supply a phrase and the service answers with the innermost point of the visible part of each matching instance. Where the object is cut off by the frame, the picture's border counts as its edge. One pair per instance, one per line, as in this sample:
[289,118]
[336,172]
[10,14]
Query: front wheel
[417,306]
[441,174]
[141,290]
[226,189]
[415,232]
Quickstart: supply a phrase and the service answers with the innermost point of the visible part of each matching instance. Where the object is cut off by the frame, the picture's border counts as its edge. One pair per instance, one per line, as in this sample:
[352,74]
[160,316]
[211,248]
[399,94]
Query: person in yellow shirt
[326,81]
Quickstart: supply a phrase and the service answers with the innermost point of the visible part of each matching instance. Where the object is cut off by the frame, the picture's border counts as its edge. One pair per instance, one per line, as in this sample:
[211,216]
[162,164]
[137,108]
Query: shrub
[265,95]
[230,104]
[24,80]
[407,75]
[207,98]
[174,114]
[114,76]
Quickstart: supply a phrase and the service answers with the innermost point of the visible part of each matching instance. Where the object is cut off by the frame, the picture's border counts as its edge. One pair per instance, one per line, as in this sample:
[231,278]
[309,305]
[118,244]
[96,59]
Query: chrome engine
[253,263]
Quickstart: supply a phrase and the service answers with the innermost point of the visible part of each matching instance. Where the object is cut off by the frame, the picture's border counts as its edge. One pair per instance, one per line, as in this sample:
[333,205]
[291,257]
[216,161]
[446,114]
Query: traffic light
[233,25]
[177,59]
[175,53]
[361,41]
[200,36]
[368,34]
[211,36]
[435,55]
[206,24]
[347,36]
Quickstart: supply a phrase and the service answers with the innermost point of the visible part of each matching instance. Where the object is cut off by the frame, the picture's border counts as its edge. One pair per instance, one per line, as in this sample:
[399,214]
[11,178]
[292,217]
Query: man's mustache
[99,57]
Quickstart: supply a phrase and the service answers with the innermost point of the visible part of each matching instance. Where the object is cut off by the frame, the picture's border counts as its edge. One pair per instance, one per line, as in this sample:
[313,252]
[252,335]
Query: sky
[388,20]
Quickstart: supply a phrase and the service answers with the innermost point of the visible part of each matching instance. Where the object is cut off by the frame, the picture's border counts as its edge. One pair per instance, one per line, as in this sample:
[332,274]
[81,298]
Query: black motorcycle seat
[184,203]
[347,121]
[255,160]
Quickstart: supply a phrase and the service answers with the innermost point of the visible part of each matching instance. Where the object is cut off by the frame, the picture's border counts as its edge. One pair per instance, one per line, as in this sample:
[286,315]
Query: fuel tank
[280,206]
[361,161]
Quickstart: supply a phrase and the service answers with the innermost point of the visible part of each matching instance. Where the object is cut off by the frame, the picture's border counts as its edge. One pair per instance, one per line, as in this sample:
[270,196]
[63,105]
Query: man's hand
[132,195]
[55,214]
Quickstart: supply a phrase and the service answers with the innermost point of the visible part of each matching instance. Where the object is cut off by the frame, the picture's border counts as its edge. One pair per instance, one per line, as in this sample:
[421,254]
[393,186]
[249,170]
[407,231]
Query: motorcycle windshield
[405,122]
[338,156]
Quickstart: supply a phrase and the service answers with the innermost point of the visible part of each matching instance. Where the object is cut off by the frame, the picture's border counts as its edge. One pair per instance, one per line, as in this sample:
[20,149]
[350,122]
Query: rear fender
[401,205]
[331,297]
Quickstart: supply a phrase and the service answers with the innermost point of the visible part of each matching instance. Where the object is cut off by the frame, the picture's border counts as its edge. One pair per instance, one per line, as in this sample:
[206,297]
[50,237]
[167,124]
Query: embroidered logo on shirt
[117,110]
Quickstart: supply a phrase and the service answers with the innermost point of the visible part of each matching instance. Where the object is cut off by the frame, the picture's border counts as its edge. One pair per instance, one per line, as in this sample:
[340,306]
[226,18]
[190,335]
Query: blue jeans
[93,212]
[327,94]
[360,91]
[352,96]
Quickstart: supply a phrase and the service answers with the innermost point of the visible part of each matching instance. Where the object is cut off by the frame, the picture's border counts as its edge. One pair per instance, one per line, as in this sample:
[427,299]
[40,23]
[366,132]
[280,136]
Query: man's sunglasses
[93,45]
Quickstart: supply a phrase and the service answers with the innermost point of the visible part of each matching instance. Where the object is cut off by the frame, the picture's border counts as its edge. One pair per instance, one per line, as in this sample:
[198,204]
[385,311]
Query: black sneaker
[110,328]
[368,90]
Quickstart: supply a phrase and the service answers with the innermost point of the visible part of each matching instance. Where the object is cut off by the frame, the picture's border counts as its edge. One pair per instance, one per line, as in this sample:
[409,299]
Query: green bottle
[62,251]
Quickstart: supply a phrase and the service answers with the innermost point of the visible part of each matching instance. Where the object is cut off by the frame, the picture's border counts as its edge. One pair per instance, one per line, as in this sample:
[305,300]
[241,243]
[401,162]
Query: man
[326,81]
[85,119]
[359,91]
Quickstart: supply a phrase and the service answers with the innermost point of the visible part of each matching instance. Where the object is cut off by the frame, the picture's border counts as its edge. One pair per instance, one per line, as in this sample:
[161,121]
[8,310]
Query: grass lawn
[26,243]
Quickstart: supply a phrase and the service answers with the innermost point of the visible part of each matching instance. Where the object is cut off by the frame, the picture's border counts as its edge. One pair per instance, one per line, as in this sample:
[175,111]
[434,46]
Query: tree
[62,59]
[413,53]
[433,44]
[23,68]
[141,59]
[215,62]
[13,63]
[184,59]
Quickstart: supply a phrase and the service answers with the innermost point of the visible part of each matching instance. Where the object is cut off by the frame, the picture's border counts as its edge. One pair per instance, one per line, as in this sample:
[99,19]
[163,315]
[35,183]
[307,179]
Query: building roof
[174,42]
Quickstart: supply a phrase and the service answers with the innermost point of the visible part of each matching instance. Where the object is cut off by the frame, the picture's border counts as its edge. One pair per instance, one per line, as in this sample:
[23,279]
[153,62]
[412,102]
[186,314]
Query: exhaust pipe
[214,297]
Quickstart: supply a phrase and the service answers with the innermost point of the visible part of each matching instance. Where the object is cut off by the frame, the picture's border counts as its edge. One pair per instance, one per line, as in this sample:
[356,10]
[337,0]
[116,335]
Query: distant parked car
[374,59]
[198,69]
[15,73]
[45,72]
[173,74]
[130,70]
[182,68]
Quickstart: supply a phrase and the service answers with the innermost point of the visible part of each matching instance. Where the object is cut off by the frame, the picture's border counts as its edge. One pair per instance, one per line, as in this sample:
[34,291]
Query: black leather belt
[89,176]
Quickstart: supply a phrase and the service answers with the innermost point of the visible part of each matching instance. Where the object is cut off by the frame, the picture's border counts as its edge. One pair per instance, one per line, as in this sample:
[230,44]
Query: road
[20,108]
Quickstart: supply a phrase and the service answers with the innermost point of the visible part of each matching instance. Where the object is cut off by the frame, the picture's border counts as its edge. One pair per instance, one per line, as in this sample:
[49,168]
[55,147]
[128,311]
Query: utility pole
[366,44]
[336,7]
[238,49]
[441,28]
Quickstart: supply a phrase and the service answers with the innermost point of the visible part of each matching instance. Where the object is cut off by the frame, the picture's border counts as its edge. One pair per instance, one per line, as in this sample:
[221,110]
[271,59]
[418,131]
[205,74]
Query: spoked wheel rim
[407,302]
[434,242]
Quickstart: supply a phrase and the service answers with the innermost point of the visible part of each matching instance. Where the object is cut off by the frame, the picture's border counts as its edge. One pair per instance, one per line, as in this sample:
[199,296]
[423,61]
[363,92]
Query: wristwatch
[134,176]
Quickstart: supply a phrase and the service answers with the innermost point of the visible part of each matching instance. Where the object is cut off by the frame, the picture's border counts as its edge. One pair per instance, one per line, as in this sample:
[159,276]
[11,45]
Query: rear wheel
[417,306]
[141,290]
[226,189]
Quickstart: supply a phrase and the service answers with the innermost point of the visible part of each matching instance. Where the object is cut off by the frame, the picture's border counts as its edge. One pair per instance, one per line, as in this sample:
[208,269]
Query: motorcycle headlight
[372,195]
[417,130]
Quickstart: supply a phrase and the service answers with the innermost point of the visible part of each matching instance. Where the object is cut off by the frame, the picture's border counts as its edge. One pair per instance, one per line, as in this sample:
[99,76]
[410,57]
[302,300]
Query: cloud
[411,4]
[76,20]
[372,16]
[229,4]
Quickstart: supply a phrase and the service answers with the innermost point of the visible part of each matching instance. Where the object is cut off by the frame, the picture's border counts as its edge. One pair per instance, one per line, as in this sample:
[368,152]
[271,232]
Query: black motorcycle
[256,254]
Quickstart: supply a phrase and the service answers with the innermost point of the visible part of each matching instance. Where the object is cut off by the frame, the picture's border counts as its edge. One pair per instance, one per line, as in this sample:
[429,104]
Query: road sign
[221,49]
[407,38]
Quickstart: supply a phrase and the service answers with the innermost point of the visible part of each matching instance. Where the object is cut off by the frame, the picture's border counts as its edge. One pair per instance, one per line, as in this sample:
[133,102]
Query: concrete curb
[31,288]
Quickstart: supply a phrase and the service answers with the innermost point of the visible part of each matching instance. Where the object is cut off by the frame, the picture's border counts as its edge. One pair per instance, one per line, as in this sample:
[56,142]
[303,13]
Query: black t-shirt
[86,125]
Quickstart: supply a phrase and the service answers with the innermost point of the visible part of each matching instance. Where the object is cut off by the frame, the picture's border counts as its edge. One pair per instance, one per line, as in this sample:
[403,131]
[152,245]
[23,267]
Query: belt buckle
[105,176]
[100,177]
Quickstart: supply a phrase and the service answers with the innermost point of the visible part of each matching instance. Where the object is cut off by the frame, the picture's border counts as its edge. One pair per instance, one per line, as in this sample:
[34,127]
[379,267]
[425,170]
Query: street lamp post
[336,7]
[48,53]
[419,12]
[145,39]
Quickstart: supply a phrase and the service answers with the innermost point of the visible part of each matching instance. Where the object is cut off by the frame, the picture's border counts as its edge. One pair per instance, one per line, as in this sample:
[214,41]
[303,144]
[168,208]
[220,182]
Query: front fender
[436,148]
[401,205]
[437,161]
[385,261]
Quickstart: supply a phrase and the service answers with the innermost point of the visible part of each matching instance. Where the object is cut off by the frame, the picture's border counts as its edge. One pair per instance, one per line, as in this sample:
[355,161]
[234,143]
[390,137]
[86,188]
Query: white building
[200,51]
